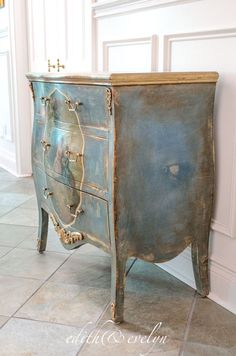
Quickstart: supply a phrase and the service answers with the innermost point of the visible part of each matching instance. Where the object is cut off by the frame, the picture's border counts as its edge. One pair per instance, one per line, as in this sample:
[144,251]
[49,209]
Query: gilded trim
[109,101]
[67,99]
[67,237]
[119,79]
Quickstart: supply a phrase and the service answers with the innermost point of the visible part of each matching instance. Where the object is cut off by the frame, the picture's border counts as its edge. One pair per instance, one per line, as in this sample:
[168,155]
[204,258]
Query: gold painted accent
[119,79]
[78,209]
[77,212]
[59,65]
[109,101]
[68,237]
[50,65]
[38,244]
[113,310]
[32,90]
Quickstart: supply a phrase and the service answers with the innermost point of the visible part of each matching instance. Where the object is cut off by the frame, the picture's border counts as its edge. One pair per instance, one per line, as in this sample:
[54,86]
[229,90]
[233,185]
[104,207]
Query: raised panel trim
[9,136]
[192,36]
[221,228]
[230,230]
[114,7]
[66,19]
[222,286]
[8,161]
[32,30]
[152,40]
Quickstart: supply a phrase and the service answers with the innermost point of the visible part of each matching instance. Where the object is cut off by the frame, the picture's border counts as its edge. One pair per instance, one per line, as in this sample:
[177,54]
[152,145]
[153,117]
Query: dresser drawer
[40,180]
[81,211]
[79,158]
[83,104]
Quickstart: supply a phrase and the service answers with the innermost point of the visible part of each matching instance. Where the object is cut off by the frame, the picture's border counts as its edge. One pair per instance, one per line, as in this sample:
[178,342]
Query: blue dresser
[126,162]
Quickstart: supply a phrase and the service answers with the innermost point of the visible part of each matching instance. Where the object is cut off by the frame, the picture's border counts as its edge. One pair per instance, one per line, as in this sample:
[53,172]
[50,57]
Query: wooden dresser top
[118,79]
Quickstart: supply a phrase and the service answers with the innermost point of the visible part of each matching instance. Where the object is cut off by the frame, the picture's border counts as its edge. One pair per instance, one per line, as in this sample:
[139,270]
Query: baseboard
[8,161]
[222,280]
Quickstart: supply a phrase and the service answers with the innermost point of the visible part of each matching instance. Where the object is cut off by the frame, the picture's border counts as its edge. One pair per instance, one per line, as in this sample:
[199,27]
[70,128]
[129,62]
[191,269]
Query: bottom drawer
[79,211]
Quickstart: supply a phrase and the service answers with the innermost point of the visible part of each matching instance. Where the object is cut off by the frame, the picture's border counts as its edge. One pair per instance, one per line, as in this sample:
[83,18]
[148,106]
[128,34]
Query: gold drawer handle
[72,106]
[45,145]
[70,153]
[44,100]
[50,65]
[60,65]
[47,193]
[77,212]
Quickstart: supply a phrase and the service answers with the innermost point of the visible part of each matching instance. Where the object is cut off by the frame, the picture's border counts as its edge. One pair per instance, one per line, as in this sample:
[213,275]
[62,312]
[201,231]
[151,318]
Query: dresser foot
[43,230]
[117,290]
[200,267]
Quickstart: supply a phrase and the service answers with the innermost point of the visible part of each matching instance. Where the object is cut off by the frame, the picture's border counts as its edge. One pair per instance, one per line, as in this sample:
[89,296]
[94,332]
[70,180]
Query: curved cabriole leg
[43,230]
[200,263]
[118,276]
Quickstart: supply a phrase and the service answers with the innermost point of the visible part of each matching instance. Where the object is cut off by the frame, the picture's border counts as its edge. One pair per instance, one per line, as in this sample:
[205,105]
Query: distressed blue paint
[147,178]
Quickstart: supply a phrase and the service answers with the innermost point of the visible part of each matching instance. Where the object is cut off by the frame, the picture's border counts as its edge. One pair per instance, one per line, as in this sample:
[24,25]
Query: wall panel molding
[192,36]
[228,230]
[113,7]
[8,160]
[7,133]
[32,30]
[222,279]
[3,32]
[152,41]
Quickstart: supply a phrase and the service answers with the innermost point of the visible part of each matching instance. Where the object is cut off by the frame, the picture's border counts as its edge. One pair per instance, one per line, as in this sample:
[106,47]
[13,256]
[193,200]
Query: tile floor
[57,303]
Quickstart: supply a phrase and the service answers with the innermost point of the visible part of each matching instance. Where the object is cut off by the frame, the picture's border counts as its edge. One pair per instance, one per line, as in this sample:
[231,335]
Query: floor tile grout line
[11,248]
[104,311]
[188,324]
[46,321]
[16,246]
[131,265]
[8,318]
[23,202]
[29,237]
[94,327]
[3,223]
[10,211]
[42,284]
[23,277]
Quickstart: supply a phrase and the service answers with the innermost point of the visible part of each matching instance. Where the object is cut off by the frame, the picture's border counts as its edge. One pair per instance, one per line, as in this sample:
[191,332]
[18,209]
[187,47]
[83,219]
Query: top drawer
[90,103]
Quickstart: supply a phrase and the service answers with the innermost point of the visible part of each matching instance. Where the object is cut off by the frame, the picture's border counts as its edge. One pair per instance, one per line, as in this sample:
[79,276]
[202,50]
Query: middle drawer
[78,157]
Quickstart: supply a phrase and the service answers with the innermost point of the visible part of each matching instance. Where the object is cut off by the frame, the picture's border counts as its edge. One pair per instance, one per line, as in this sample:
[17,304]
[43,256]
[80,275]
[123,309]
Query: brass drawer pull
[50,65]
[70,153]
[72,106]
[47,193]
[44,100]
[77,212]
[60,65]
[45,145]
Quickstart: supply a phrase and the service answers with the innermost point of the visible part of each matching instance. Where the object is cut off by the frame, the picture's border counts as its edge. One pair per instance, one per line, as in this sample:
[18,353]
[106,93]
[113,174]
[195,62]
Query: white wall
[177,35]
[15,116]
